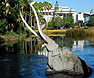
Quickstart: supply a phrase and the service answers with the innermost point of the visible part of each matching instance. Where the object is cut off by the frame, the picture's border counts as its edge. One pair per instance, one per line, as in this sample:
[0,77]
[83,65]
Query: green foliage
[75,24]
[56,7]
[79,32]
[67,21]
[45,7]
[20,29]
[41,6]
[0,12]
[51,24]
[12,2]
[3,23]
[90,31]
[36,6]
[49,6]
[92,21]
[76,32]
[10,19]
[58,22]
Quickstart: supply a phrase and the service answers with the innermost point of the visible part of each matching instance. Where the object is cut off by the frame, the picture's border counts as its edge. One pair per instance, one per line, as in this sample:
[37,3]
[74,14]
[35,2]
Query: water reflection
[23,66]
[79,44]
[21,47]
[17,59]
[43,52]
[83,47]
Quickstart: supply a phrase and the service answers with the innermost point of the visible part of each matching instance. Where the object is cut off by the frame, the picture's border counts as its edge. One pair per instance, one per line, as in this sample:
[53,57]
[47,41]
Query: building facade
[62,12]
[84,18]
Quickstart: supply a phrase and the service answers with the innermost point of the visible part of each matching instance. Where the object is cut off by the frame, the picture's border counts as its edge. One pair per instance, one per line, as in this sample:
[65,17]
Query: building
[84,17]
[62,12]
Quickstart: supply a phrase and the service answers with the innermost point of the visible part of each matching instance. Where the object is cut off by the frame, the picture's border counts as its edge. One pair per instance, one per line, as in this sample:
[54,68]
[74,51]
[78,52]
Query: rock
[67,62]
[64,61]
[64,75]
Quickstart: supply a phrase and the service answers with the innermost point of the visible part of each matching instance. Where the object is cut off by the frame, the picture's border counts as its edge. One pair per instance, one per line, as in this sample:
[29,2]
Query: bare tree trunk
[31,44]
[26,47]
[35,46]
[47,18]
[22,12]
[25,18]
[23,45]
[42,11]
[12,26]
[45,12]
[34,21]
[31,32]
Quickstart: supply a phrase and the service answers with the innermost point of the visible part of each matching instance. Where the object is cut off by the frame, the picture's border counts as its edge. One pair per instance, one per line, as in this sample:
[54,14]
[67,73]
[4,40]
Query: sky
[78,5]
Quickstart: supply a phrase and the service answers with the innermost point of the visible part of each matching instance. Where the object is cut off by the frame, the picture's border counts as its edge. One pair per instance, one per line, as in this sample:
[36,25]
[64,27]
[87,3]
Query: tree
[58,22]
[45,6]
[10,19]
[51,24]
[3,23]
[67,21]
[92,21]
[36,6]
[56,7]
[2,9]
[49,6]
[41,6]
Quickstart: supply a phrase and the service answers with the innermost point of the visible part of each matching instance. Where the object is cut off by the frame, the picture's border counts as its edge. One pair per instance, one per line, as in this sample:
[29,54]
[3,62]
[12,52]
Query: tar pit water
[26,59]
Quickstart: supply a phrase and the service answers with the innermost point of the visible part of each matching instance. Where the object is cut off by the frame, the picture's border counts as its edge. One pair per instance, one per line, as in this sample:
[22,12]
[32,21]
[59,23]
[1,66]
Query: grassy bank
[47,32]
[11,36]
[80,32]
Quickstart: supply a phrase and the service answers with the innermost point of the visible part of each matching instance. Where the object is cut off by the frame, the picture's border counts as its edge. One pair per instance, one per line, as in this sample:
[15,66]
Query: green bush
[3,24]
[90,31]
[76,32]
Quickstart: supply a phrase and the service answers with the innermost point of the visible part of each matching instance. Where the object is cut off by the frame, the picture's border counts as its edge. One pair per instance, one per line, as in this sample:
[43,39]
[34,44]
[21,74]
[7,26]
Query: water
[23,66]
[24,60]
[83,47]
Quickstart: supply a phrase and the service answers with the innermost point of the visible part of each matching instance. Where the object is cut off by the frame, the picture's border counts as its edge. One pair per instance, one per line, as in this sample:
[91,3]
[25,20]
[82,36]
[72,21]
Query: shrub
[76,32]
[90,31]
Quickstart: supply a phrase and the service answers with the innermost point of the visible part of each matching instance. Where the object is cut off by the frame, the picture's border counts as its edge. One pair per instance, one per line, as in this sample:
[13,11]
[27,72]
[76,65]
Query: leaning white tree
[58,60]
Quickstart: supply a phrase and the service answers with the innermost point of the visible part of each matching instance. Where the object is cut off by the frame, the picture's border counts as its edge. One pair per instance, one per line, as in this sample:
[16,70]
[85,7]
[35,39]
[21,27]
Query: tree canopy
[92,21]
[68,21]
[58,22]
[9,15]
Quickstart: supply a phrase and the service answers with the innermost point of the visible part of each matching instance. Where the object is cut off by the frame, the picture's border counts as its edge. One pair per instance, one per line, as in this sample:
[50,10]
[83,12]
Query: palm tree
[41,6]
[30,13]
[56,7]
[45,6]
[22,4]
[36,6]
[49,6]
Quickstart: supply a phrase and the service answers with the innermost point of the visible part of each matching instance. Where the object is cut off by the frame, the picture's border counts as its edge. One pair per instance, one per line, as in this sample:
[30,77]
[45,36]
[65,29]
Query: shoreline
[16,37]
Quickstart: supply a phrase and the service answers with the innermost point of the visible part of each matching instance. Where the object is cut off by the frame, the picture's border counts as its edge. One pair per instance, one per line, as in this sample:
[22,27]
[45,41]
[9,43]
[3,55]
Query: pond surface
[26,59]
